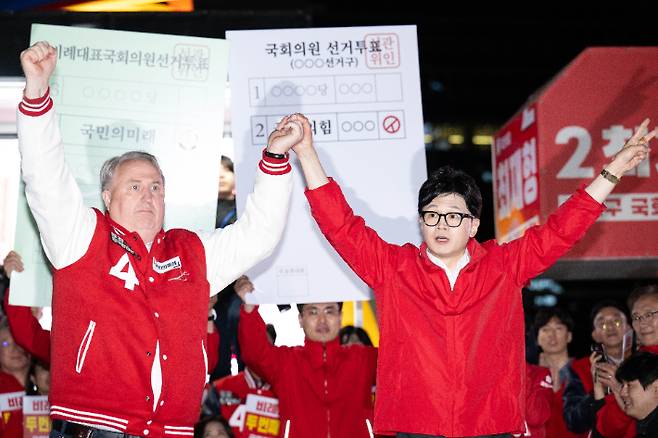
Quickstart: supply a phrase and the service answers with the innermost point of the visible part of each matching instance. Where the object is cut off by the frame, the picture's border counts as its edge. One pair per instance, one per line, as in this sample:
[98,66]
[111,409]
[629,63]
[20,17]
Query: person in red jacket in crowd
[553,328]
[611,419]
[26,329]
[14,368]
[236,398]
[612,335]
[538,399]
[456,364]
[324,388]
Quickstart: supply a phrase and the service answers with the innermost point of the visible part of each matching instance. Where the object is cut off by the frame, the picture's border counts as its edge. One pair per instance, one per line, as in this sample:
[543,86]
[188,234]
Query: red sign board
[574,126]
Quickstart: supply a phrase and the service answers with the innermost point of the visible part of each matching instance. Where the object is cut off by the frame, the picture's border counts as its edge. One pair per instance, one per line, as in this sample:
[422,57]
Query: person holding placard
[130,300]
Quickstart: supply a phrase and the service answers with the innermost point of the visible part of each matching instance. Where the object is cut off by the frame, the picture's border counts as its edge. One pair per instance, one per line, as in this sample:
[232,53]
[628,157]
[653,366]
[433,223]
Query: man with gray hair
[130,300]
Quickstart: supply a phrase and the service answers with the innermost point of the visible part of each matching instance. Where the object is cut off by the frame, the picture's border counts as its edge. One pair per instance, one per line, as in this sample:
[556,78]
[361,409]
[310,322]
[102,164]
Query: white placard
[11,401]
[360,88]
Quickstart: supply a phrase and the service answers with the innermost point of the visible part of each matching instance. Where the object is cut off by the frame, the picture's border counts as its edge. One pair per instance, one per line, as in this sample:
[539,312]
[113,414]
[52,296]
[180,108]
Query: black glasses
[452,219]
[646,317]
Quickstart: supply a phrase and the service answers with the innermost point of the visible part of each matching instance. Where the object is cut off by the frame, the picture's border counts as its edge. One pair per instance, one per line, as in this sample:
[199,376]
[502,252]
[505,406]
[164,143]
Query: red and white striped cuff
[274,166]
[36,107]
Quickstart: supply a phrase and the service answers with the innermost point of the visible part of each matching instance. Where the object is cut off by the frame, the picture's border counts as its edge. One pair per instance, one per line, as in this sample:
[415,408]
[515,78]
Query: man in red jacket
[455,366]
[553,328]
[324,389]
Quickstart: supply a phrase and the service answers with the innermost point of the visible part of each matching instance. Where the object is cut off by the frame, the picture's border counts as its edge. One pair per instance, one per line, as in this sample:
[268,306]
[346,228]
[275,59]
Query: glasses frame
[461,215]
[647,316]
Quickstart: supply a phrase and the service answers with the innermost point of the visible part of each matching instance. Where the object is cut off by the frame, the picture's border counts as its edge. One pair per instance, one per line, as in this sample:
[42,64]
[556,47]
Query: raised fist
[38,64]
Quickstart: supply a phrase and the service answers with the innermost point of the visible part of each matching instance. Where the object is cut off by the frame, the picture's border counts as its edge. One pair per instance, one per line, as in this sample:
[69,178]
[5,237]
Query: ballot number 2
[123,270]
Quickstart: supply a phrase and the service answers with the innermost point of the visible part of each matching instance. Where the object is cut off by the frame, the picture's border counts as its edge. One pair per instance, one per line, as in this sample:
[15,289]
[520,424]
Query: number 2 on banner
[127,275]
[237,419]
[573,168]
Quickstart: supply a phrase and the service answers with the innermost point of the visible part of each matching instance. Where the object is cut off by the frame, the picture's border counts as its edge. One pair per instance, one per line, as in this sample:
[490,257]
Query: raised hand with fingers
[630,156]
[634,151]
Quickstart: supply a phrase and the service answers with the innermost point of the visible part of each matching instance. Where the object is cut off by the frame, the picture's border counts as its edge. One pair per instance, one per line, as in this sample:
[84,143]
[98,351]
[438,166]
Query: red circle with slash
[391,124]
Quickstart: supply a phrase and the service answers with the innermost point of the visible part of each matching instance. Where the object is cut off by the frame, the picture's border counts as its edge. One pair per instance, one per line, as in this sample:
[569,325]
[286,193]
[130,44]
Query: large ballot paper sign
[360,89]
[117,91]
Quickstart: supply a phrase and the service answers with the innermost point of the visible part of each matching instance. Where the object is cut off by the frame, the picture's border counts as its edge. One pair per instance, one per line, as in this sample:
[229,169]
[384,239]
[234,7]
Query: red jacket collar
[316,351]
[650,348]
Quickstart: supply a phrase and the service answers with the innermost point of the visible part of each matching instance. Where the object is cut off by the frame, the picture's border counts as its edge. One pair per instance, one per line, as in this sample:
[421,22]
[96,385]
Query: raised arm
[543,245]
[367,254]
[313,172]
[256,350]
[65,225]
[232,250]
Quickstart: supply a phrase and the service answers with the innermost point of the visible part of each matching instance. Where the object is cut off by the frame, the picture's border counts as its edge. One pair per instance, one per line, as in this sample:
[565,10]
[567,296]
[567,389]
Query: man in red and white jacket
[451,357]
[130,300]
[29,334]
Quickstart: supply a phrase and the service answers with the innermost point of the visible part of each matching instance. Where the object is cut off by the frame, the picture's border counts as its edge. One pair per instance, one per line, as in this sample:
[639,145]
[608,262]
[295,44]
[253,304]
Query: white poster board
[360,88]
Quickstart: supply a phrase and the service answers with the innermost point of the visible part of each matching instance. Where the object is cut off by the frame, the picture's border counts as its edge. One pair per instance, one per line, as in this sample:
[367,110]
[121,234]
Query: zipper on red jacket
[326,389]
